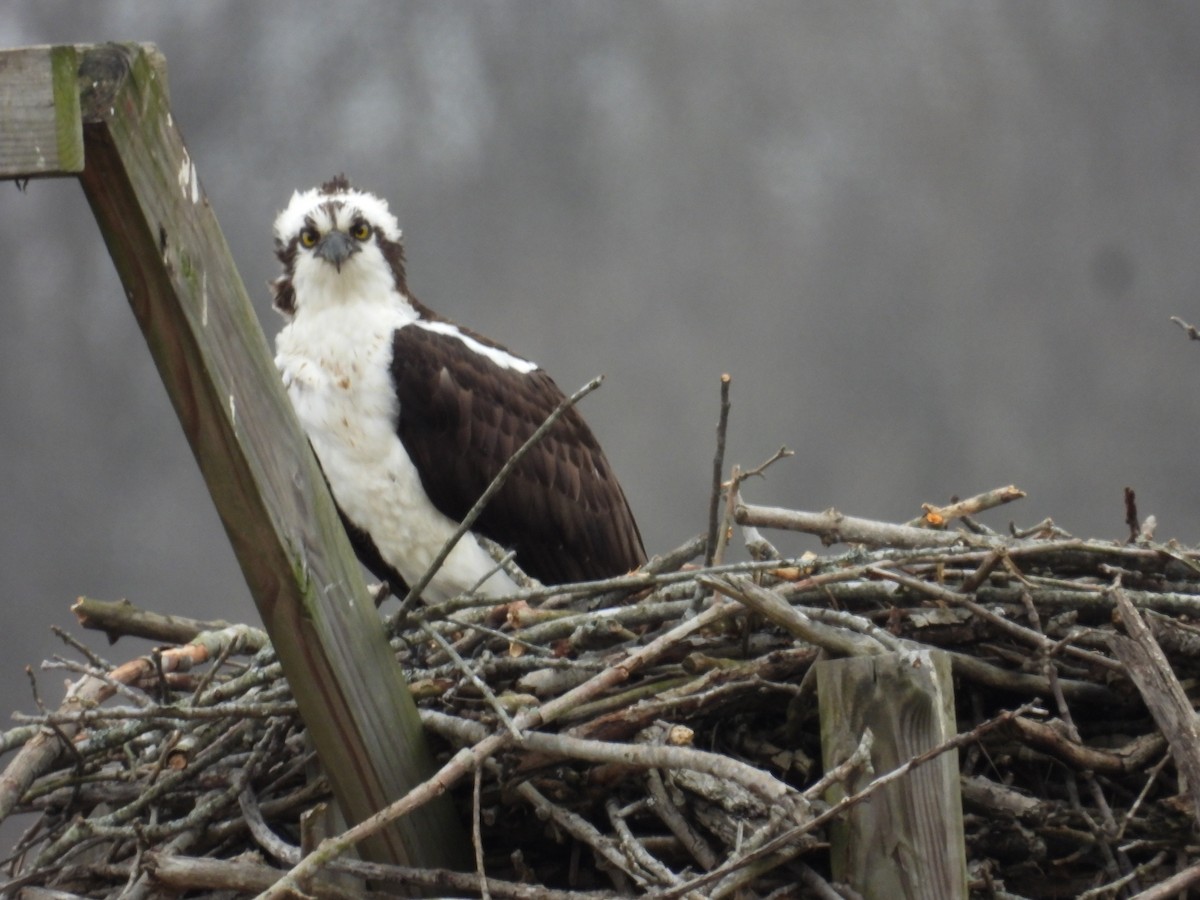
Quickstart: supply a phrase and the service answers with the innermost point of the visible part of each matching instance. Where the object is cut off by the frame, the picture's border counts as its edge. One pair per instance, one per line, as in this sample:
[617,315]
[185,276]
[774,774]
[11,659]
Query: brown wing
[462,416]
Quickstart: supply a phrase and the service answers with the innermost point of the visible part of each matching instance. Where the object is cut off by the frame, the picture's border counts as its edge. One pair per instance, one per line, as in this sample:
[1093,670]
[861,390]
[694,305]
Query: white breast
[335,365]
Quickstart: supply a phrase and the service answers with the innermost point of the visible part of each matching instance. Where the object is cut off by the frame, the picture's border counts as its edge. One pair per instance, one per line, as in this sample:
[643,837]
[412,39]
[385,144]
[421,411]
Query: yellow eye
[360,230]
[308,236]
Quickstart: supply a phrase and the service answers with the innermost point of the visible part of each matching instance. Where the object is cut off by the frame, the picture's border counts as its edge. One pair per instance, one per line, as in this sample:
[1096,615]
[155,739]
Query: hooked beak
[336,247]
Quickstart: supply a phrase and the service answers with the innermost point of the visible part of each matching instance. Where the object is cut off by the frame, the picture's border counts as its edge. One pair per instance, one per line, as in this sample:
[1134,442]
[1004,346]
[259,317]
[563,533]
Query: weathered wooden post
[906,840]
[102,113]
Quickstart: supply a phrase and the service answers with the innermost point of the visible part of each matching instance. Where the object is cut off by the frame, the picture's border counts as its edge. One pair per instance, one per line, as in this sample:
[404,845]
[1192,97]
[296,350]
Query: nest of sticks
[688,762]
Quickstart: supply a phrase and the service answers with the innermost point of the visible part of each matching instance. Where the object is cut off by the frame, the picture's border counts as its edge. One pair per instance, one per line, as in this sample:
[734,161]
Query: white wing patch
[502,358]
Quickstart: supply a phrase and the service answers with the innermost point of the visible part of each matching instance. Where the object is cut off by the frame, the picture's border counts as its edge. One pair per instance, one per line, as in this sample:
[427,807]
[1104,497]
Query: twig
[1174,886]
[1190,330]
[161,713]
[634,851]
[665,808]
[110,824]
[476,835]
[583,831]
[714,500]
[638,756]
[94,659]
[791,834]
[266,838]
[41,752]
[199,874]
[463,761]
[1165,697]
[756,471]
[121,618]
[1111,889]
[473,677]
[939,516]
[834,527]
[1028,635]
[1131,514]
[773,607]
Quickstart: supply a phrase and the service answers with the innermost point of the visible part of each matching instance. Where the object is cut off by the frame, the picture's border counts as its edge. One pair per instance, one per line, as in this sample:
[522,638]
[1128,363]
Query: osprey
[411,416]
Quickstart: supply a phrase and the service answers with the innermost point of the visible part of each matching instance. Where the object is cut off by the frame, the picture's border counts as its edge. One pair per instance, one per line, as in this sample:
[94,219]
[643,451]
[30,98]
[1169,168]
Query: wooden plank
[907,841]
[213,357]
[1150,670]
[40,129]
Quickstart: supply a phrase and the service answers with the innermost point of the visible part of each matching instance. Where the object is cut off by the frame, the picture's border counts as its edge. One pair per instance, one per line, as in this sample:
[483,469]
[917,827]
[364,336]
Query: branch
[714,500]
[466,760]
[939,516]
[119,618]
[782,840]
[1190,330]
[834,527]
[1164,695]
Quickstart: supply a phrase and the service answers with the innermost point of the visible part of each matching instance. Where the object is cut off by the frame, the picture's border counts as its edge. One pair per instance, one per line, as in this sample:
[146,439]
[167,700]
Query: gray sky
[935,243]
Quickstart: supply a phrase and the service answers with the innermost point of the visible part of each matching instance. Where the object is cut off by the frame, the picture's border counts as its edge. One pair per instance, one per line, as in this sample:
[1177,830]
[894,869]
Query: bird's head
[336,244]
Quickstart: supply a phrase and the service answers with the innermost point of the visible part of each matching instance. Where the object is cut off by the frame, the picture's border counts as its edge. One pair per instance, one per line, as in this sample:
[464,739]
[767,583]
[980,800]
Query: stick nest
[701,774]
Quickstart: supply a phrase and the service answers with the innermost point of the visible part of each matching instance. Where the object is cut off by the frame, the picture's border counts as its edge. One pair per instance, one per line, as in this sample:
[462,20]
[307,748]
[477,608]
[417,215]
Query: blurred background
[936,245]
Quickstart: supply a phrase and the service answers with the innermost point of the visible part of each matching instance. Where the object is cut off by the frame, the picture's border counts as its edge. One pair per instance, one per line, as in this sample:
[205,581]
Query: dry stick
[94,660]
[940,515]
[1173,886]
[834,527]
[771,606]
[1190,330]
[165,713]
[583,831]
[38,754]
[458,881]
[190,873]
[1111,888]
[1116,860]
[121,618]
[477,832]
[468,758]
[666,810]
[472,676]
[633,849]
[781,840]
[252,814]
[1035,638]
[714,500]
[492,489]
[658,570]
[972,667]
[1164,696]
[758,546]
[1131,514]
[724,531]
[1151,778]
[641,756]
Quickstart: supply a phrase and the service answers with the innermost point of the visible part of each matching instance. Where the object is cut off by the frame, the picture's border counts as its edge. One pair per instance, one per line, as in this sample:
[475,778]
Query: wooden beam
[907,841]
[188,299]
[40,129]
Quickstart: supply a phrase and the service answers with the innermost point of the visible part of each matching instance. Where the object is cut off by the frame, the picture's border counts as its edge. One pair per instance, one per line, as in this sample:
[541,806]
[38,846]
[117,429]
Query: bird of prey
[411,416]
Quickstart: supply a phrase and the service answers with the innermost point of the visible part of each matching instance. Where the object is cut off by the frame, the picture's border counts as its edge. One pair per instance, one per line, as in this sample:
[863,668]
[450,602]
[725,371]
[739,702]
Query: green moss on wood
[68,125]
